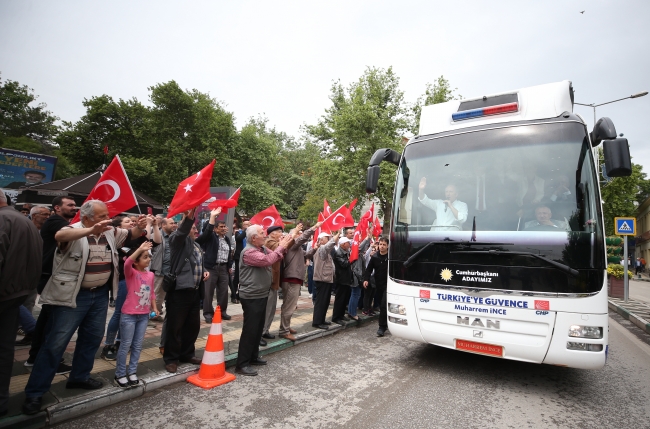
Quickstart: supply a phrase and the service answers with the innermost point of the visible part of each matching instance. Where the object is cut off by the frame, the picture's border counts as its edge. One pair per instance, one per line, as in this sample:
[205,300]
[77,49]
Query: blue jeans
[26,320]
[310,279]
[355,293]
[114,324]
[90,317]
[132,329]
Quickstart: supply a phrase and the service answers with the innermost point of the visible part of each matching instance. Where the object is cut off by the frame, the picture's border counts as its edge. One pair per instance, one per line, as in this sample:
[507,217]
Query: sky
[279,59]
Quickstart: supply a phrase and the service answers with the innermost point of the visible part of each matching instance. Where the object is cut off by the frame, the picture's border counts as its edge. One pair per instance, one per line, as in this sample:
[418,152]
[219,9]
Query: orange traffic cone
[213,366]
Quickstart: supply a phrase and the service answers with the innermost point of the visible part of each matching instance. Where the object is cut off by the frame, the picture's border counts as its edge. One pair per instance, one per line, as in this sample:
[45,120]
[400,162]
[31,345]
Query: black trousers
[183,324]
[251,333]
[368,294]
[341,300]
[218,281]
[380,296]
[323,296]
[40,331]
[8,327]
[234,286]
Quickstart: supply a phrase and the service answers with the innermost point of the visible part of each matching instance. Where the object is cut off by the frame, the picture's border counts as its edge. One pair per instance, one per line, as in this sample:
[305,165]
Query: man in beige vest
[85,267]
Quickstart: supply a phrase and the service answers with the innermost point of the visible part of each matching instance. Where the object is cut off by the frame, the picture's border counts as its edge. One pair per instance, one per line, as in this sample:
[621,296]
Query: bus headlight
[397,309]
[584,347]
[578,331]
[398,320]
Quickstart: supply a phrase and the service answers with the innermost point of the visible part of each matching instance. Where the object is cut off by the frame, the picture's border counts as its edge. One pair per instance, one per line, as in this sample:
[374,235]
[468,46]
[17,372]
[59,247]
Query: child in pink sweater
[139,302]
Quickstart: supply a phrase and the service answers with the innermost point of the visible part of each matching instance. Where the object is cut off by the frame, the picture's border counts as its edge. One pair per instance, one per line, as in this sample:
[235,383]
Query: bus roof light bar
[485,111]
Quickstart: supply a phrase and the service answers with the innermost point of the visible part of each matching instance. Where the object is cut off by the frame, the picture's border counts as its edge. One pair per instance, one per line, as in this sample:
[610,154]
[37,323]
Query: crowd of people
[151,267]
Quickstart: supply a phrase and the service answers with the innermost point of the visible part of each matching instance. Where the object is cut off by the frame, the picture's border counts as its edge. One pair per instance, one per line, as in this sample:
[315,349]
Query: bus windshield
[513,208]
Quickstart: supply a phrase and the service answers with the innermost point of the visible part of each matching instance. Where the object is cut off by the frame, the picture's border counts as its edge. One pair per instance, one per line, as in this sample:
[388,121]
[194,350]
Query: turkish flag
[226,204]
[318,230]
[114,189]
[365,220]
[268,217]
[376,228]
[352,205]
[356,240]
[192,191]
[341,218]
[327,211]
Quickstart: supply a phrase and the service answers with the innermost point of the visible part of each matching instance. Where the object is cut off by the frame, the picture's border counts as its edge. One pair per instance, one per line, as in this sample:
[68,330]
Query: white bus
[497,240]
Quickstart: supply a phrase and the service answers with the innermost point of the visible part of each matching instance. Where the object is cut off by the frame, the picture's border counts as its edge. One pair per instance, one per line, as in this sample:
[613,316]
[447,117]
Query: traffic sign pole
[626,281]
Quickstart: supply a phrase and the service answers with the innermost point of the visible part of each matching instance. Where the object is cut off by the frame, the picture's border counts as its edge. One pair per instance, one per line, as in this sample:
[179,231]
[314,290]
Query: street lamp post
[593,105]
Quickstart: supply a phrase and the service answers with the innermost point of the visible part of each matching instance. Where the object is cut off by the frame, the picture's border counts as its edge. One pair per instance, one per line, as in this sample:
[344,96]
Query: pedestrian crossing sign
[625,225]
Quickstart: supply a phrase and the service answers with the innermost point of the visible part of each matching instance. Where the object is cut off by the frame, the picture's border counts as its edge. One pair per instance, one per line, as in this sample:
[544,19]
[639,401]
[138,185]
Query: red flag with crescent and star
[320,229]
[226,204]
[327,211]
[192,191]
[376,228]
[114,189]
[356,240]
[268,217]
[341,218]
[366,219]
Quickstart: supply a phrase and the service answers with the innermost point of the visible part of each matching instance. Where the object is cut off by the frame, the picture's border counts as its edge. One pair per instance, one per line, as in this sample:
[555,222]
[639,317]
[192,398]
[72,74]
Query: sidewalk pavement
[637,312]
[61,404]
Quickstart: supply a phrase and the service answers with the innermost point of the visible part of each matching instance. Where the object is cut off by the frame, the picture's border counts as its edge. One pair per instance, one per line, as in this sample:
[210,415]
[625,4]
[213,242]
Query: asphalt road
[640,290]
[356,380]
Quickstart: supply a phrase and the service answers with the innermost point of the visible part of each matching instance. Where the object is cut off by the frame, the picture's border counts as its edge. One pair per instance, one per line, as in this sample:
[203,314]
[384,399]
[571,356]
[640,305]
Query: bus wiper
[417,254]
[562,267]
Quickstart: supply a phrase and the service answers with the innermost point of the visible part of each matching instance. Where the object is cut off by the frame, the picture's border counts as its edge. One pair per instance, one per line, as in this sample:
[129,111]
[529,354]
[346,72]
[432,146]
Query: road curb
[86,404]
[638,321]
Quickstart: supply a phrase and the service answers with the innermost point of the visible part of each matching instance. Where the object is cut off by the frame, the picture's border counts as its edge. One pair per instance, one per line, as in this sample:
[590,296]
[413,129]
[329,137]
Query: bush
[616,271]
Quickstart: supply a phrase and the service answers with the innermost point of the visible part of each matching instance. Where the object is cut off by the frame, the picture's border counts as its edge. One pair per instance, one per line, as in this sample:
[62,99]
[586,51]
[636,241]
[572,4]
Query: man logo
[477,322]
[446,274]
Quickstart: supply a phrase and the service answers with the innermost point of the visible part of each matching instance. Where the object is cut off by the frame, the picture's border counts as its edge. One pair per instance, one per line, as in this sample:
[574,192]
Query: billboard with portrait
[19,168]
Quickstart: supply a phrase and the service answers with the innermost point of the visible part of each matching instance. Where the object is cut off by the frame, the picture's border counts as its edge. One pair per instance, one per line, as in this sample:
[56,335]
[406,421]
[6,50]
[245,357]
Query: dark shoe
[29,362]
[327,323]
[345,319]
[339,321]
[109,352]
[289,337]
[133,379]
[355,318]
[323,326]
[193,361]
[122,382]
[365,313]
[258,362]
[381,332]
[225,316]
[32,405]
[26,341]
[292,331]
[245,370]
[262,342]
[268,336]
[63,368]
[208,320]
[90,384]
[171,367]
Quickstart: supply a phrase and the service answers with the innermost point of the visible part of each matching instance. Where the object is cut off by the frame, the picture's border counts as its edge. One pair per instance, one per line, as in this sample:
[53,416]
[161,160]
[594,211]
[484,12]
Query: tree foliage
[622,195]
[367,115]
[438,92]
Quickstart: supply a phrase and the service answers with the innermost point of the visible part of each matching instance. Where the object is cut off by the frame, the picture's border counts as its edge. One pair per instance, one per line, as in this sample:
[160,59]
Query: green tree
[622,195]
[438,92]
[367,115]
[20,117]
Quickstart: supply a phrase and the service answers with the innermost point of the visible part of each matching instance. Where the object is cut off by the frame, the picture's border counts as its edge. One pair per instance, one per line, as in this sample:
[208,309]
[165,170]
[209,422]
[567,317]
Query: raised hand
[101,227]
[423,183]
[142,222]
[146,246]
[215,212]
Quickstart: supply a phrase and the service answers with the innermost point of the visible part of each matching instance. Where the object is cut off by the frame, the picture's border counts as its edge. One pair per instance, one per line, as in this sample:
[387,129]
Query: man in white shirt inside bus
[450,212]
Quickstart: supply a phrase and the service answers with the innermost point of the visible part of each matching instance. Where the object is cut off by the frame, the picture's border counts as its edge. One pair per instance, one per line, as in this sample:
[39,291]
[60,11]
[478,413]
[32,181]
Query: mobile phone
[149,210]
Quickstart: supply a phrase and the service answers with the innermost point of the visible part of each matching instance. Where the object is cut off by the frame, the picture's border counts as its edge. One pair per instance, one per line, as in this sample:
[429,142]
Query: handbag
[169,279]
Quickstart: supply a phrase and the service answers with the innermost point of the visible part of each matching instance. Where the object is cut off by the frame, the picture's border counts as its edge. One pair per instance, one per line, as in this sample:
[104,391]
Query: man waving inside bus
[450,212]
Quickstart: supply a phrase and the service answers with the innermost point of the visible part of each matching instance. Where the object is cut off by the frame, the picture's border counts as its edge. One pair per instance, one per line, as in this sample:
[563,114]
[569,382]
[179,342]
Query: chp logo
[542,305]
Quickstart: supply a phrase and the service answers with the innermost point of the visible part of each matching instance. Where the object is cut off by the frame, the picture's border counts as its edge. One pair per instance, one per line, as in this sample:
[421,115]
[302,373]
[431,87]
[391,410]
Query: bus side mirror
[617,158]
[372,179]
[603,130]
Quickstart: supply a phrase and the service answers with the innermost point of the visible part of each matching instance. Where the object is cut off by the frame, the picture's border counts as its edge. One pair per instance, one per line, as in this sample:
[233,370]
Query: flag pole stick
[137,204]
